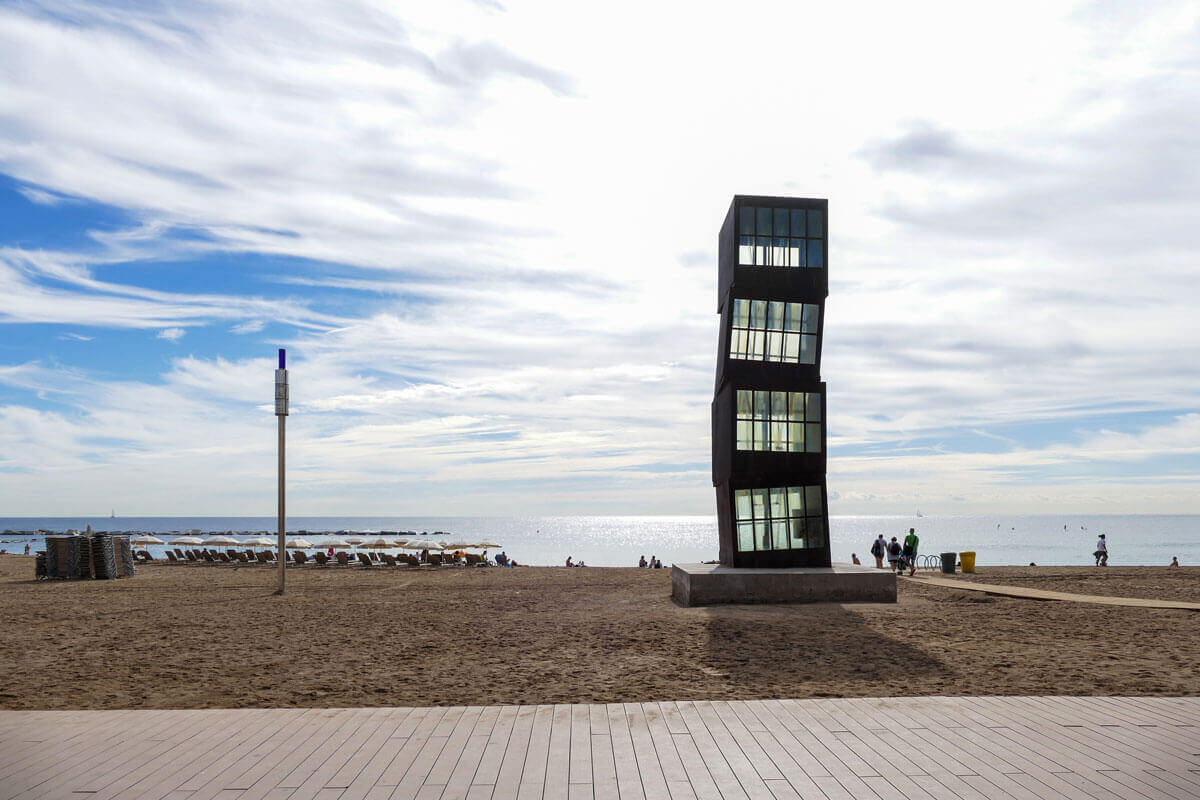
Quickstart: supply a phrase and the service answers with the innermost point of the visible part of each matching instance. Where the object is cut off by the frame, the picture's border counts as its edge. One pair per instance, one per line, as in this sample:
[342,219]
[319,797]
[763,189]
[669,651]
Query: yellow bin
[968,560]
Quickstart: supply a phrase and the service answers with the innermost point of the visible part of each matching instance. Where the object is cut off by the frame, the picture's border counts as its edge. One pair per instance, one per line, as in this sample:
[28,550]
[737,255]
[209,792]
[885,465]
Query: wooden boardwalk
[1100,748]
[1046,594]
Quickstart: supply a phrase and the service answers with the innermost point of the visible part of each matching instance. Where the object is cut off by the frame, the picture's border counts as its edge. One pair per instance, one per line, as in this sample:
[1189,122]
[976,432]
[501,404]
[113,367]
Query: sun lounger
[299,556]
[389,559]
[171,558]
[241,557]
[343,559]
[208,556]
[224,557]
[179,554]
[366,562]
[473,559]
[270,554]
[261,557]
[321,559]
[435,559]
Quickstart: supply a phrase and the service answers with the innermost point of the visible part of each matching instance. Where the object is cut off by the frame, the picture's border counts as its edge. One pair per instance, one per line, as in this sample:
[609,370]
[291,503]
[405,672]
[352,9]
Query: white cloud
[171,334]
[253,326]
[534,221]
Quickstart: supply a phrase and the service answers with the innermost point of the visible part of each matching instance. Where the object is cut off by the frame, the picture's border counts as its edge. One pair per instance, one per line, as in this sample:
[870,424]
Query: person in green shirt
[910,550]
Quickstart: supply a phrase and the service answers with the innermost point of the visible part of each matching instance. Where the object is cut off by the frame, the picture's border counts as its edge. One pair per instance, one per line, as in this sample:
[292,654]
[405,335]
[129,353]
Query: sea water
[612,541]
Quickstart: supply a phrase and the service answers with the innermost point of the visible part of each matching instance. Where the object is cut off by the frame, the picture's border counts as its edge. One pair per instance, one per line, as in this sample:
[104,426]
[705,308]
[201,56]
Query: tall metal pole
[281,411]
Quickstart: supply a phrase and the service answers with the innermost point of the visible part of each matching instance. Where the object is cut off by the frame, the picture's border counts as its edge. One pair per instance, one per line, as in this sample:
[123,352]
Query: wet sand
[214,636]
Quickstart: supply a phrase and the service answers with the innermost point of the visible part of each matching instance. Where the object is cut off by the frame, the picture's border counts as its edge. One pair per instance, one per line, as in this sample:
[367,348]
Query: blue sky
[486,234]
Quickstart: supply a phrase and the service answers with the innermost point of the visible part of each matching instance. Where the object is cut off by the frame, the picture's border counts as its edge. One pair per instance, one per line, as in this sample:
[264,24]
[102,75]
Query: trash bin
[968,560]
[948,560]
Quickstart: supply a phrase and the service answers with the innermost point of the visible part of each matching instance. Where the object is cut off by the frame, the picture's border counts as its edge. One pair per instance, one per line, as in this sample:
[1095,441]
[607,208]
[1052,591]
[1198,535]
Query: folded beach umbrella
[222,540]
[187,540]
[299,544]
[145,540]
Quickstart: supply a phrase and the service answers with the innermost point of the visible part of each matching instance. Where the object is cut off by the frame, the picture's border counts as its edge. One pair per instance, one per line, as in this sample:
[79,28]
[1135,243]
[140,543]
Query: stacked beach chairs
[98,555]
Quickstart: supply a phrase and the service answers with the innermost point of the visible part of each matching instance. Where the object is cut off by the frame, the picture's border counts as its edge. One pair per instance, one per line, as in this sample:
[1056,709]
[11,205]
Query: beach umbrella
[354,540]
[299,544]
[222,540]
[187,540]
[336,543]
[458,545]
[379,543]
[258,541]
[145,540]
[415,545]
[488,545]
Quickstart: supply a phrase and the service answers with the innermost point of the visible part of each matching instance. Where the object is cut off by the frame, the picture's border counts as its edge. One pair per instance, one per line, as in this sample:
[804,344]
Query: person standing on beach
[1101,553]
[893,553]
[879,550]
[910,550]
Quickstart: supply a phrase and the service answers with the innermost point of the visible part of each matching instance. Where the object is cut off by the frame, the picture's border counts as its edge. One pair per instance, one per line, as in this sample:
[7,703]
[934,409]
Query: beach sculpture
[768,410]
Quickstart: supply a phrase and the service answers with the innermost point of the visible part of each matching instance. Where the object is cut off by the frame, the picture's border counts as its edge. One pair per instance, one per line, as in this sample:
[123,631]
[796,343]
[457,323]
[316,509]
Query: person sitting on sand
[642,562]
[854,559]
[1101,553]
[570,563]
[1174,559]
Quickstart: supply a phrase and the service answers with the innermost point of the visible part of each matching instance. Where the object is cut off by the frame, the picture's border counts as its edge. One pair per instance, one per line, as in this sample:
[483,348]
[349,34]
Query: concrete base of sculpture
[708,584]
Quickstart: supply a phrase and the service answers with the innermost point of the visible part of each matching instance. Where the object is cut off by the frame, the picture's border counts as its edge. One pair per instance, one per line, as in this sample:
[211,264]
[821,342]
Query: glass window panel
[741,313]
[779,405]
[816,224]
[755,350]
[808,349]
[762,534]
[746,220]
[816,253]
[761,404]
[798,533]
[760,251]
[741,343]
[746,538]
[745,435]
[760,502]
[796,406]
[811,312]
[778,503]
[780,534]
[794,316]
[812,437]
[812,501]
[781,222]
[816,532]
[814,407]
[758,313]
[775,315]
[762,434]
[795,249]
[779,252]
[791,347]
[796,437]
[796,500]
[779,436]
[746,250]
[741,498]
[774,346]
[745,403]
[797,222]
[764,221]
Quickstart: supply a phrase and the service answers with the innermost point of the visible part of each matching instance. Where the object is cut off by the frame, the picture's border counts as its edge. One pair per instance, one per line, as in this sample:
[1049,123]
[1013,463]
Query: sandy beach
[215,637]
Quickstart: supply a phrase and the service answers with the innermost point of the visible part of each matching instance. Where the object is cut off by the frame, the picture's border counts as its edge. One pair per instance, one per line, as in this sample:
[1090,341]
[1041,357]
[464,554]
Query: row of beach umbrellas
[378,543]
